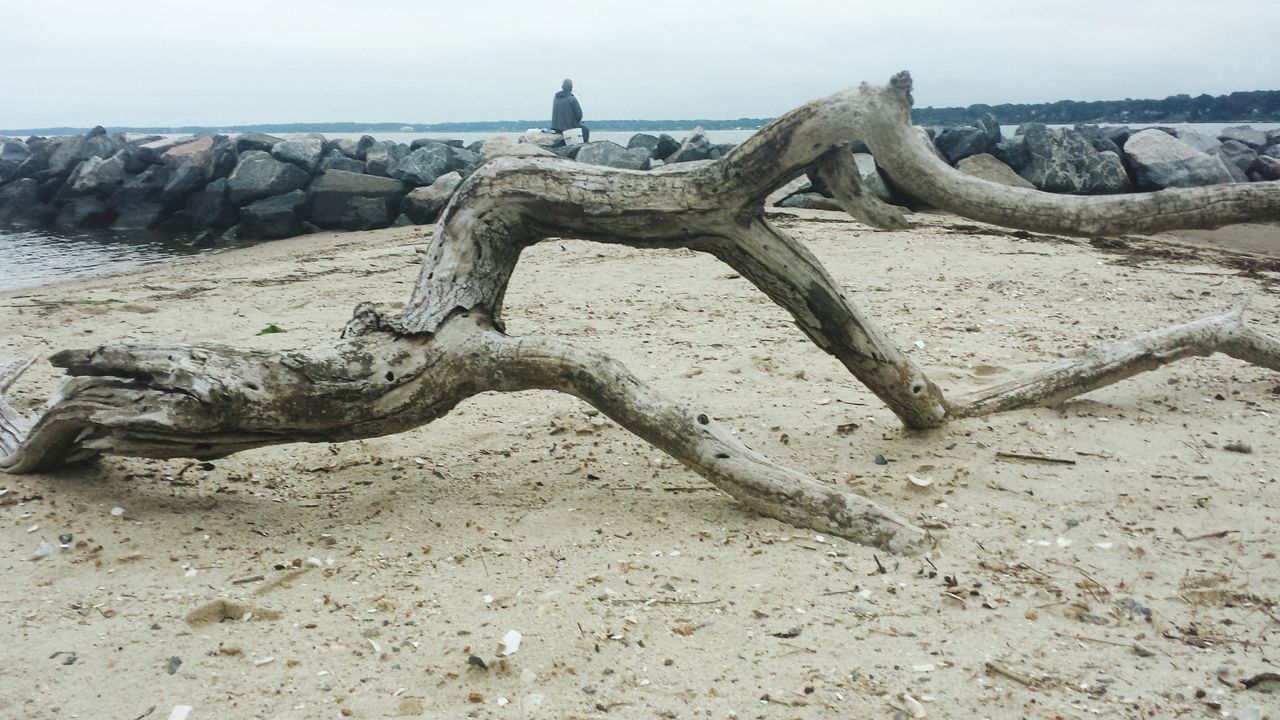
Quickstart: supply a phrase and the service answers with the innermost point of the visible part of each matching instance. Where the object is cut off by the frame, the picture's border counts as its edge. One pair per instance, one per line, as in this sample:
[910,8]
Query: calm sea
[30,258]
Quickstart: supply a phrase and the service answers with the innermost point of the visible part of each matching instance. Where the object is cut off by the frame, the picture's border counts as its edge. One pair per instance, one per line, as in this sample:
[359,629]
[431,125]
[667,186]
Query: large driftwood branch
[392,373]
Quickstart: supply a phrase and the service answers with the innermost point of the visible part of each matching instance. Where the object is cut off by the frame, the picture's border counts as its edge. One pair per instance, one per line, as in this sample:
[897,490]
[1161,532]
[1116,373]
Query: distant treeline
[1251,106]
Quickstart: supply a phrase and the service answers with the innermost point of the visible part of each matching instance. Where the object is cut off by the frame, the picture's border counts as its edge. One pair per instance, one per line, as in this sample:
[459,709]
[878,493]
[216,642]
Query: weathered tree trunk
[392,373]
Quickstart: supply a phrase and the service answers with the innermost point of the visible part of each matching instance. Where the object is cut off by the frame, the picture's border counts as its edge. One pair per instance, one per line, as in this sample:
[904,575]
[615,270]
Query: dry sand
[356,580]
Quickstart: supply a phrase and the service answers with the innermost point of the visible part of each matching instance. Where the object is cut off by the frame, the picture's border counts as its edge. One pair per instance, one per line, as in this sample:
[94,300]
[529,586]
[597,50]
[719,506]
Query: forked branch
[392,373]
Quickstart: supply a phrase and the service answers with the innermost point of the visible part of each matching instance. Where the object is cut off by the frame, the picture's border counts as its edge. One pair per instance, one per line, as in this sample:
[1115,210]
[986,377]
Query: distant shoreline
[1256,106]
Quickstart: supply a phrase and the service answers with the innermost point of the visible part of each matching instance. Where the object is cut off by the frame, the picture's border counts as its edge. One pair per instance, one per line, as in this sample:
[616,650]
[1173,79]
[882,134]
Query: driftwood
[390,373]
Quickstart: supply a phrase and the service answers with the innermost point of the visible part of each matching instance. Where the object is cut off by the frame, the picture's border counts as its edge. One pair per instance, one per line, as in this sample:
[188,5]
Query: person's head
[567,85]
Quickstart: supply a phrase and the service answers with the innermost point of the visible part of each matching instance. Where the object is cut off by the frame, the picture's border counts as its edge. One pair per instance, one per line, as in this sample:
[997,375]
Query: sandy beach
[1129,571]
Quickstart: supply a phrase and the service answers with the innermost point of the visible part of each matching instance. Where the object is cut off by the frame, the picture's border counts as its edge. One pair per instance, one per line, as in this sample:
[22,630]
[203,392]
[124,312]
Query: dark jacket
[566,113]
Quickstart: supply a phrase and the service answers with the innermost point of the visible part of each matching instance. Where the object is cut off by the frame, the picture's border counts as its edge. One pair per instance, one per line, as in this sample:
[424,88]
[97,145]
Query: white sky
[231,62]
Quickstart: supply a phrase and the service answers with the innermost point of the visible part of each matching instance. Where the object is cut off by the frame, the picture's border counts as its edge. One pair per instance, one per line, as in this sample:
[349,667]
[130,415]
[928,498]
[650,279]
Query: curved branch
[207,402]
[910,161]
[1116,361]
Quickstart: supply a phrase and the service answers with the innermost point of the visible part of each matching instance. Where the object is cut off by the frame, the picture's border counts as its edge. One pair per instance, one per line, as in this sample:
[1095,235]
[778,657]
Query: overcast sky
[144,62]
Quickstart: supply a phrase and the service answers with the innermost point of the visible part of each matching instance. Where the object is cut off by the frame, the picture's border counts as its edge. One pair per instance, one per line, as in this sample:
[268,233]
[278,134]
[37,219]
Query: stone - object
[957,143]
[17,197]
[275,217]
[643,140]
[1064,161]
[1199,141]
[1013,151]
[12,154]
[1268,168]
[1238,157]
[84,213]
[335,160]
[305,153]
[1245,134]
[666,147]
[1101,140]
[694,147]
[1159,160]
[423,205]
[335,194]
[96,175]
[211,208]
[184,180]
[869,176]
[382,156]
[65,154]
[256,141]
[430,161]
[198,153]
[987,167]
[258,175]
[344,146]
[152,150]
[613,155]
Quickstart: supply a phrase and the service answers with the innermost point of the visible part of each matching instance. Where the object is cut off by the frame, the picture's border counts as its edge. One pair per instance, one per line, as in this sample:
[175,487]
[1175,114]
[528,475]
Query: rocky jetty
[259,186]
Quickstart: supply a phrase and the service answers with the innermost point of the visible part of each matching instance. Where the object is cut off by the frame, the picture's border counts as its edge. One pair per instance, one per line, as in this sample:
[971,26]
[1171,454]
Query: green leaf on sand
[272,328]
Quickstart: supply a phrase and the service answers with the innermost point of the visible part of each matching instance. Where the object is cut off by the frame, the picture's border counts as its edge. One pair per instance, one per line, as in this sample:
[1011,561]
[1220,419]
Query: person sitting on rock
[566,113]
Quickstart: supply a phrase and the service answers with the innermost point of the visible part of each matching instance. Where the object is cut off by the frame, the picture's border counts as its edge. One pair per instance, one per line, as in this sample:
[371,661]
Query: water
[30,258]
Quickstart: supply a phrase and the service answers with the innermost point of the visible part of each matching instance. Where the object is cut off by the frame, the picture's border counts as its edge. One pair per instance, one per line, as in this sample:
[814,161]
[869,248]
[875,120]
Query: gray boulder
[987,167]
[339,199]
[1159,160]
[1199,141]
[211,208]
[1238,157]
[17,198]
[957,143]
[1273,151]
[335,160]
[420,142]
[152,150]
[101,145]
[1273,137]
[256,141]
[97,176]
[1268,168]
[367,213]
[430,161]
[274,217]
[142,189]
[382,156]
[1100,140]
[344,146]
[225,157]
[142,216]
[184,180]
[258,175]
[362,146]
[64,154]
[643,140]
[869,176]
[84,213]
[1255,139]
[666,147]
[1064,161]
[423,205]
[305,153]
[694,147]
[614,155]
[1013,151]
[12,154]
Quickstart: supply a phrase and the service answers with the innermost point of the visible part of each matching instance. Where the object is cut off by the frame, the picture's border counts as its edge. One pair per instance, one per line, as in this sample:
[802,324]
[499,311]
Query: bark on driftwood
[390,373]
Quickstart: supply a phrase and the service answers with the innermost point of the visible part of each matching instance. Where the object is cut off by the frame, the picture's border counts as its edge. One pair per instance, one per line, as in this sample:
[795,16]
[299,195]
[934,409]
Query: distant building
[406,128]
